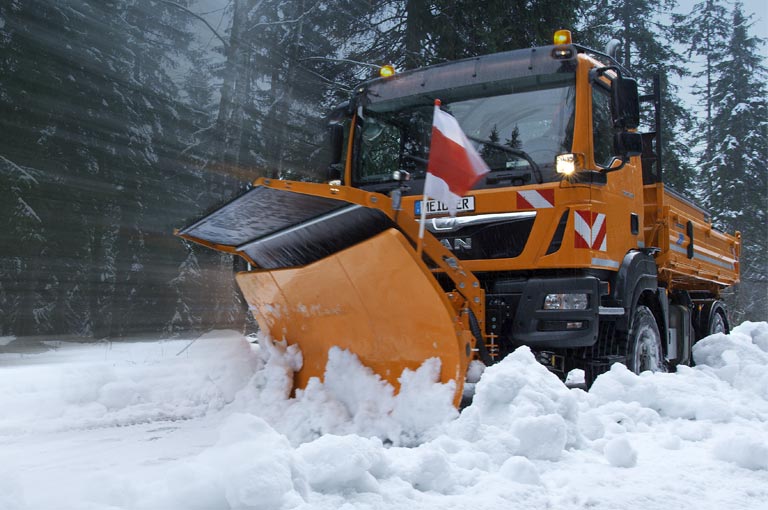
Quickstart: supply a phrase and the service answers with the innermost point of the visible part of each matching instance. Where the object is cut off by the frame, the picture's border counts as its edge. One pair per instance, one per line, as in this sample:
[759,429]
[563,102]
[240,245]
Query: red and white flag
[454,165]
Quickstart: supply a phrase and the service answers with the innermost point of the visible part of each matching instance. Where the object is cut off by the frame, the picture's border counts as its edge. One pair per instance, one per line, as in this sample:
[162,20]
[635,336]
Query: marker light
[562,37]
[387,71]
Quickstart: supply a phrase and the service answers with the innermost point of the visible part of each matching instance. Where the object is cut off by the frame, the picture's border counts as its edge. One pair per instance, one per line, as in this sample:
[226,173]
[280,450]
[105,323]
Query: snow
[619,452]
[210,424]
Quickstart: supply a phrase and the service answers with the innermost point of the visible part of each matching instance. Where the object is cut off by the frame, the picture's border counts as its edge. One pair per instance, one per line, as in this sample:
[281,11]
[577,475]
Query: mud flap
[375,299]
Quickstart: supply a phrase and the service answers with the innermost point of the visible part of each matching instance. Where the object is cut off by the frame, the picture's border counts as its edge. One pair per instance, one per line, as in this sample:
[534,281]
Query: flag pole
[423,221]
[424,198]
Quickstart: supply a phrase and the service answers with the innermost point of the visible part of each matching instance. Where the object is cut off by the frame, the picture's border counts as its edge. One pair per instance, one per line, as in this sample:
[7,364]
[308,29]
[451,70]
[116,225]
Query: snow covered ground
[169,425]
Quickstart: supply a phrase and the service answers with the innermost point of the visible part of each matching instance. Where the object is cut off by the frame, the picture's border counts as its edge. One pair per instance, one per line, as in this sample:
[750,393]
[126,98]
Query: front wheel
[645,351]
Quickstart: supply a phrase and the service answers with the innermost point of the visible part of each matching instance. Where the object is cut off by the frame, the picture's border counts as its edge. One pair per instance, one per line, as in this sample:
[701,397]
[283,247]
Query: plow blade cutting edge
[341,275]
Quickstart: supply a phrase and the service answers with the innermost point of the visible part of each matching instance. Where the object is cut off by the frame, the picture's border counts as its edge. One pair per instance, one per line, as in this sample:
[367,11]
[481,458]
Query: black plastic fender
[701,325]
[636,275]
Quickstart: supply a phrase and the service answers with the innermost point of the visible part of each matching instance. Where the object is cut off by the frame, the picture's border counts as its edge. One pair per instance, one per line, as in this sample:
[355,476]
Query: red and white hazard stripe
[536,199]
[590,230]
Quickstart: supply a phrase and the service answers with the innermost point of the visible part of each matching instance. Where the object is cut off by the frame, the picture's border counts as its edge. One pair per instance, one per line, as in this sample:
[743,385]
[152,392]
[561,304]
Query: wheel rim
[647,351]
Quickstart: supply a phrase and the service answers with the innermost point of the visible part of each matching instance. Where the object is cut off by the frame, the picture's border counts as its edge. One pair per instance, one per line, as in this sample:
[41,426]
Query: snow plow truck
[570,245]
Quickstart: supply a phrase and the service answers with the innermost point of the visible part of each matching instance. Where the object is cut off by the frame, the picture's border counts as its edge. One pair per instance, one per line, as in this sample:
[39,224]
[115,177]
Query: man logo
[458,243]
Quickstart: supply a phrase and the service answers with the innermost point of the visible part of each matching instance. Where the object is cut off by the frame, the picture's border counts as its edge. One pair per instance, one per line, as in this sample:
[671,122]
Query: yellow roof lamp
[387,71]
[562,41]
[562,37]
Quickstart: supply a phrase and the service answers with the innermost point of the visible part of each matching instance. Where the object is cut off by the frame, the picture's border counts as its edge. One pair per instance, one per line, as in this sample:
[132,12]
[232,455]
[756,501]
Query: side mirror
[625,103]
[627,144]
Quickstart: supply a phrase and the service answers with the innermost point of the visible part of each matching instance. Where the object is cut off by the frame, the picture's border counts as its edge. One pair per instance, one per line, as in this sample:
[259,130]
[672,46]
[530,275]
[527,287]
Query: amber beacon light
[562,37]
[387,70]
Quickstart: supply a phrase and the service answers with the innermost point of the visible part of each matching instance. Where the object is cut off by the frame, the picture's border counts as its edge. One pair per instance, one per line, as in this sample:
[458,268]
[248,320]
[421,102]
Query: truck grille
[489,236]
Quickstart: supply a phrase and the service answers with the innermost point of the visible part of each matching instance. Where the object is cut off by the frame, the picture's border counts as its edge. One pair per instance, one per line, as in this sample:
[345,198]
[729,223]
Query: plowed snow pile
[211,425]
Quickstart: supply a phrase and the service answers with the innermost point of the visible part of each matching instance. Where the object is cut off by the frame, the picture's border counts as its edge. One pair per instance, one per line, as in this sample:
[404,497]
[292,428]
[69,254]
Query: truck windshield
[518,134]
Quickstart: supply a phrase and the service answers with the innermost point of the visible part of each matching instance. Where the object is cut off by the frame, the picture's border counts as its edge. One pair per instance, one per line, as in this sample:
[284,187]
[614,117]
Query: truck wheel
[717,323]
[645,351]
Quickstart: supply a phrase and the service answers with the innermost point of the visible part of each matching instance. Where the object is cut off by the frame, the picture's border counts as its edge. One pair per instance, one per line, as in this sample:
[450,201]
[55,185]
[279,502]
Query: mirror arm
[610,168]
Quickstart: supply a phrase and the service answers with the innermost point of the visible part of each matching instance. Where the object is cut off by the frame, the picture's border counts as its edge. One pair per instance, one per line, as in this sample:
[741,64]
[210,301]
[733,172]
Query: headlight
[566,302]
[565,164]
[568,164]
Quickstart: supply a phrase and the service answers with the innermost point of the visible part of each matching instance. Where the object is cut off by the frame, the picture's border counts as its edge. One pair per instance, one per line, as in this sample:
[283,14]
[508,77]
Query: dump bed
[693,255]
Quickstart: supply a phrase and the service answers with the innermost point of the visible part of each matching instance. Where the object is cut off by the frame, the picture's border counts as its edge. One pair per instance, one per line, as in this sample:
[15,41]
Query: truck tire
[717,323]
[644,348]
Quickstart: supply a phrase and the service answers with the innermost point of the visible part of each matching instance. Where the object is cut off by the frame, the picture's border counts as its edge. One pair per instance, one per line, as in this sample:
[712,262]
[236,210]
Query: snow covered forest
[124,119]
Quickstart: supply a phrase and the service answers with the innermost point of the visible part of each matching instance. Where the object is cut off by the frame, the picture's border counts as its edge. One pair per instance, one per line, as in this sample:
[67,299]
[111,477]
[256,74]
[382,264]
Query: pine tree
[289,108]
[707,33]
[26,94]
[23,238]
[186,286]
[738,174]
[416,33]
[491,153]
[462,29]
[514,138]
[96,118]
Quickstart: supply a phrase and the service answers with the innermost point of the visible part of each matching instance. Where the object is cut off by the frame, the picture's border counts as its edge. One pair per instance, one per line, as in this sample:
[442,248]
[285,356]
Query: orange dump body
[693,255]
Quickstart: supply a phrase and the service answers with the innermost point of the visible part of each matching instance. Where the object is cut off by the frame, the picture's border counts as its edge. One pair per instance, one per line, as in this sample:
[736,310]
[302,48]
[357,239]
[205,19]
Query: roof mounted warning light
[563,49]
[387,71]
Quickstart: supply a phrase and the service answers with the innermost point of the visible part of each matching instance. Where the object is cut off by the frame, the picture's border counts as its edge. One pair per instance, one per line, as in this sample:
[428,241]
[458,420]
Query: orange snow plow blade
[374,299]
[334,269]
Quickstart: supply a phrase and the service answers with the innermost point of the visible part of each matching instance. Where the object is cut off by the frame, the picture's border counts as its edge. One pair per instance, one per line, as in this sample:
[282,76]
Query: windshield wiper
[421,161]
[515,152]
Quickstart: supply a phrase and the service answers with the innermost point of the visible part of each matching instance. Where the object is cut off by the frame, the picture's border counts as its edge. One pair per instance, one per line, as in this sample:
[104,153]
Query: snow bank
[739,358]
[728,385]
[620,453]
[344,463]
[520,408]
[11,491]
[116,384]
[257,465]
[747,452]
[250,466]
[239,440]
[352,399]
[730,380]
[81,386]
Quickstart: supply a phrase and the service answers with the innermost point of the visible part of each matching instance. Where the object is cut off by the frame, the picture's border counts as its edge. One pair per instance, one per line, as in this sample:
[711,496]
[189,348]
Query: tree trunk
[235,89]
